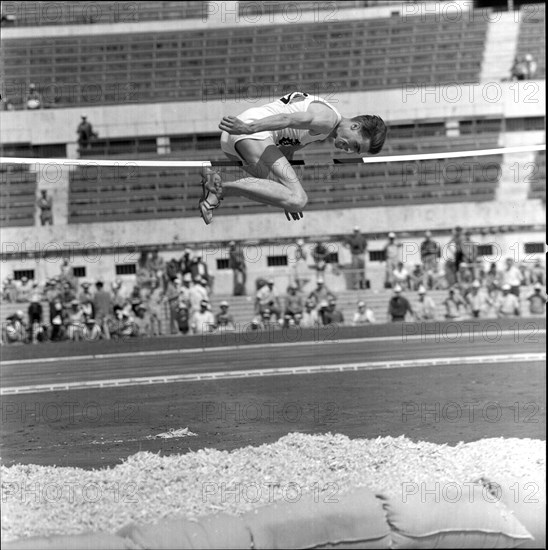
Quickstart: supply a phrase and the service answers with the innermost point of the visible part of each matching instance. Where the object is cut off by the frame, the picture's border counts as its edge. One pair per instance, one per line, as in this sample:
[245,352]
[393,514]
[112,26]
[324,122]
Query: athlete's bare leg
[273,180]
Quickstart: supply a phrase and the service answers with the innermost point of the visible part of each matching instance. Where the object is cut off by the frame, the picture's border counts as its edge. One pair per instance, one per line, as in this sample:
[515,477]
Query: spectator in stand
[399,306]
[24,290]
[87,306]
[267,298]
[91,330]
[492,280]
[14,330]
[123,325]
[102,305]
[391,254]
[117,293]
[425,308]
[320,255]
[320,293]
[142,321]
[184,291]
[455,306]
[293,301]
[332,315]
[507,305]
[470,253]
[430,255]
[45,207]
[157,264]
[57,320]
[202,321]
[416,278]
[183,316]
[363,316]
[186,262]
[34,99]
[310,317]
[172,298]
[465,276]
[9,292]
[537,300]
[357,243]
[35,317]
[75,319]
[512,276]
[67,294]
[199,269]
[66,275]
[299,266]
[401,277]
[538,274]
[198,293]
[477,300]
[156,304]
[85,134]
[224,320]
[236,262]
[85,293]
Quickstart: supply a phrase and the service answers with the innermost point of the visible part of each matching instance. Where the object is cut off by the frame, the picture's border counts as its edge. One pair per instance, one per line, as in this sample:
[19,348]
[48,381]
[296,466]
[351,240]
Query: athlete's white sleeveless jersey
[295,102]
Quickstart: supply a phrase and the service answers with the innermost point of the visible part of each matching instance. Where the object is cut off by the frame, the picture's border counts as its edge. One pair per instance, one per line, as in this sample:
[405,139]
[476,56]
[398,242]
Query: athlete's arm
[318,117]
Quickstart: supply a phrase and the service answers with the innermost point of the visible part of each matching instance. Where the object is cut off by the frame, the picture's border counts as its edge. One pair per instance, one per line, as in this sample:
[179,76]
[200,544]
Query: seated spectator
[75,319]
[197,294]
[9,291]
[91,330]
[309,317]
[142,321]
[320,293]
[57,320]
[331,314]
[263,321]
[224,320]
[14,330]
[478,301]
[202,321]
[512,276]
[117,294]
[507,305]
[85,294]
[24,290]
[537,301]
[87,306]
[363,316]
[425,308]
[465,276]
[34,99]
[293,301]
[492,280]
[122,325]
[52,290]
[537,273]
[183,316]
[455,305]
[400,276]
[416,277]
[399,306]
[320,254]
[267,298]
[67,294]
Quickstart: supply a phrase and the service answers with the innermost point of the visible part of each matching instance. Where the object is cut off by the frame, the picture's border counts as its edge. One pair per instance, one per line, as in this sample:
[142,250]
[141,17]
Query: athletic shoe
[212,195]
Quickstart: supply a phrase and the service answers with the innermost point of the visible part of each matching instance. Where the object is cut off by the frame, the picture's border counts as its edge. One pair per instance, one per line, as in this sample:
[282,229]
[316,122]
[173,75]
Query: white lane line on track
[403,338]
[312,369]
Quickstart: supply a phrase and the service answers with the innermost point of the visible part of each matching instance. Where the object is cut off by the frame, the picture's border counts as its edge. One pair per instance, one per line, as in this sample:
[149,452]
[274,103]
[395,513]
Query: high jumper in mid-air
[265,139]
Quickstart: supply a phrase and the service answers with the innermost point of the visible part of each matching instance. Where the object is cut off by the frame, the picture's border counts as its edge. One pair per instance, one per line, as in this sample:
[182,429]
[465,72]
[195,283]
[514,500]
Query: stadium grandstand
[98,98]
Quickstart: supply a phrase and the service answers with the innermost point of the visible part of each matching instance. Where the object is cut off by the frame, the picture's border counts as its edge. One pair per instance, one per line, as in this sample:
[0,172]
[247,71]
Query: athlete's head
[361,134]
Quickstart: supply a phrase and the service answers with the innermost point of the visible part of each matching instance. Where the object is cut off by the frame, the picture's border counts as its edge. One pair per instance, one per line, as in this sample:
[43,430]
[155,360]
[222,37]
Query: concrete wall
[410,103]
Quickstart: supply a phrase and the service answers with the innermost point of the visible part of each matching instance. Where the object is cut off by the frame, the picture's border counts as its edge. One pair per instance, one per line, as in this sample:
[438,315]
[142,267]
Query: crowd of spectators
[179,291]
